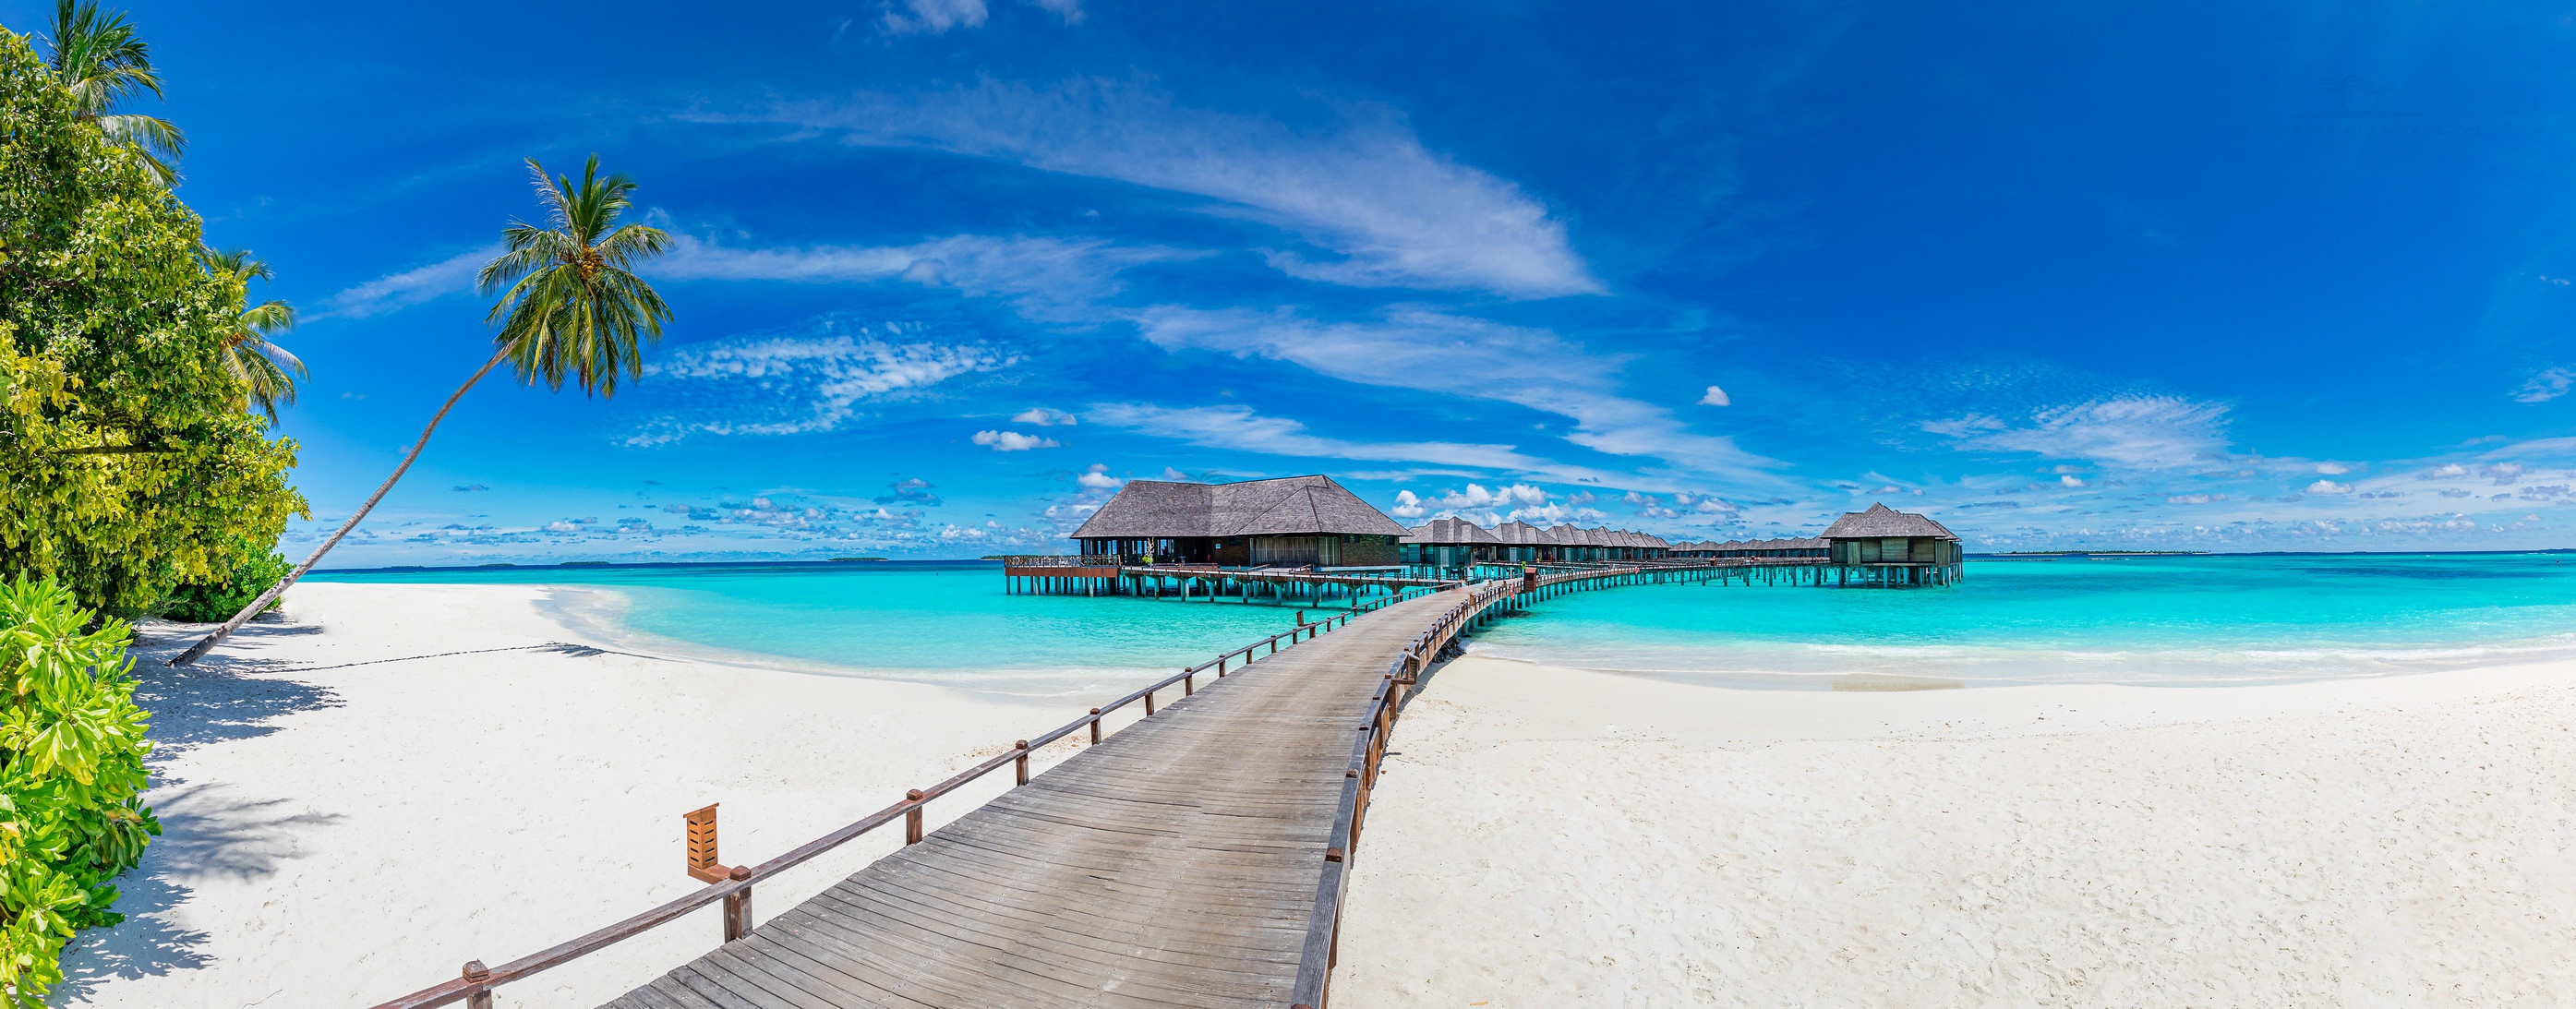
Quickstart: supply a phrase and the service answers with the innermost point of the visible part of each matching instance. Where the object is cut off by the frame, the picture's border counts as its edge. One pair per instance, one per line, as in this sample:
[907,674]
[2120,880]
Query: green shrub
[71,779]
[206,604]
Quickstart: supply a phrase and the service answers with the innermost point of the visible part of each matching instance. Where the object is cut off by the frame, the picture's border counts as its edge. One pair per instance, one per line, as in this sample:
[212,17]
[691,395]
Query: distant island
[845,560]
[583,564]
[2099,553]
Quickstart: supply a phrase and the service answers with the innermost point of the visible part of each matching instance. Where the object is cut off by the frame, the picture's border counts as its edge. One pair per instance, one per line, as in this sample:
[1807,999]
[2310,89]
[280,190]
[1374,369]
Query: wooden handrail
[478,981]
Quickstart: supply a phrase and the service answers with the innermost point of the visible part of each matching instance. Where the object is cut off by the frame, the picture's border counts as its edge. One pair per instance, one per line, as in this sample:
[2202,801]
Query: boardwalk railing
[1368,752]
[474,986]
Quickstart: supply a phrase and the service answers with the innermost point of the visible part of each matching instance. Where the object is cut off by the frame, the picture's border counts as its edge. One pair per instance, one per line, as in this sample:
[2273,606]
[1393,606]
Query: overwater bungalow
[1520,543]
[1448,544]
[1888,547]
[1298,521]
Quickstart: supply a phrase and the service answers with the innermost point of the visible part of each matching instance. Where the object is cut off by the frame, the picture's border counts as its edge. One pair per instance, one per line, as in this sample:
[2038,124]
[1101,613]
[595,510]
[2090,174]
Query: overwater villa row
[1308,539]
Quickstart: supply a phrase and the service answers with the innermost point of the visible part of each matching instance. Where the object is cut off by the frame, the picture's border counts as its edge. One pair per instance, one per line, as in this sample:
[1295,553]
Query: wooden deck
[1173,865]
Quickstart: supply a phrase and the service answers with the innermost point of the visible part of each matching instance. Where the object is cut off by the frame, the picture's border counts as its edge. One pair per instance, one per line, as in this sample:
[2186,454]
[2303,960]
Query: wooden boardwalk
[1173,865]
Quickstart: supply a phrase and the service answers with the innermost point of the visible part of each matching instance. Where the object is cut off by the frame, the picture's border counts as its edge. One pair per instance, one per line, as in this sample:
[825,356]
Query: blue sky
[2188,276]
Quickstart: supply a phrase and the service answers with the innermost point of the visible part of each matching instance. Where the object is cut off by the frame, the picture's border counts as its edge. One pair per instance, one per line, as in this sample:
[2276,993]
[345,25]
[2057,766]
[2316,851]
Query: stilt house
[1299,521]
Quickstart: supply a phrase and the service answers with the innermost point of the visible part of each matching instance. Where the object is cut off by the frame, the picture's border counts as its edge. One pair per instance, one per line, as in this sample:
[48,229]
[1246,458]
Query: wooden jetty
[1194,858]
[1090,576]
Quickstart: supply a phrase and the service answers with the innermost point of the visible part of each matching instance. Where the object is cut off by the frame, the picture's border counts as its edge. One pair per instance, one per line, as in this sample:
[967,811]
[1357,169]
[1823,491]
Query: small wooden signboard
[702,846]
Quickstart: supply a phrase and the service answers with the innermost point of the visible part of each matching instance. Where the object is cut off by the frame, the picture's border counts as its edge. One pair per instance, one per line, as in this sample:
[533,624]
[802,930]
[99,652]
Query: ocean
[2166,621]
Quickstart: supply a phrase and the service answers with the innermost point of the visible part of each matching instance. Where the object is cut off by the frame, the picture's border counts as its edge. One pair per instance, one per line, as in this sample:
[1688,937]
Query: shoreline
[1552,837]
[385,781]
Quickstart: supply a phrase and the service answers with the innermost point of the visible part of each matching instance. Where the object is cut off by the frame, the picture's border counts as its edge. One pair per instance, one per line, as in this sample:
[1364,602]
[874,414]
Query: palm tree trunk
[199,650]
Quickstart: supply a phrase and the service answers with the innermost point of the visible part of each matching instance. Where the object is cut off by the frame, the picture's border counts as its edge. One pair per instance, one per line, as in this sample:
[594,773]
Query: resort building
[1887,546]
[1450,544]
[1299,521]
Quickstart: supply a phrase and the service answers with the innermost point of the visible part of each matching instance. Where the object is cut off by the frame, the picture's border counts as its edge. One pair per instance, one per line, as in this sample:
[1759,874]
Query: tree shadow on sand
[221,698]
[205,829]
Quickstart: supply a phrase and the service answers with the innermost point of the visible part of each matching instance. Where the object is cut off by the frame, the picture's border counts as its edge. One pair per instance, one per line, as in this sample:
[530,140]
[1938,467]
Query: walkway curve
[1175,864]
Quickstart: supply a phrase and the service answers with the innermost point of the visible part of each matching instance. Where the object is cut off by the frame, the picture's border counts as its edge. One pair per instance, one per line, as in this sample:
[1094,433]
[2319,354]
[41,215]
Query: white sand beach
[1551,837]
[394,779]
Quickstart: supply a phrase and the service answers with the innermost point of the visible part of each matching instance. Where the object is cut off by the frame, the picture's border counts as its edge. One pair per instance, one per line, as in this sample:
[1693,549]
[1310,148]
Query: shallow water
[2148,620]
[945,622]
[2168,621]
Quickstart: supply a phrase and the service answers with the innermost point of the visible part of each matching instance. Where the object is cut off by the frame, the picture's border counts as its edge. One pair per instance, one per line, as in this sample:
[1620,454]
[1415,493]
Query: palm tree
[98,57]
[266,370]
[571,306]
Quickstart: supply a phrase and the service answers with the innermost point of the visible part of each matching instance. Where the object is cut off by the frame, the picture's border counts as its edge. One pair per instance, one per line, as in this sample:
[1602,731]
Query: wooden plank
[1172,865]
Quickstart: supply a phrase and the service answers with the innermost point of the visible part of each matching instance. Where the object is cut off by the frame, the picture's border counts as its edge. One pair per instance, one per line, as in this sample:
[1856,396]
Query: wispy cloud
[1366,188]
[2132,432]
[1043,417]
[396,291]
[1042,271]
[935,17]
[1241,429]
[777,384]
[2549,384]
[1462,356]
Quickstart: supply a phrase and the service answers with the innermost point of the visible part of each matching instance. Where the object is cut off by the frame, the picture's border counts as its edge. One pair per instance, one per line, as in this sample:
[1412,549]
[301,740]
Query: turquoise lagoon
[2201,620]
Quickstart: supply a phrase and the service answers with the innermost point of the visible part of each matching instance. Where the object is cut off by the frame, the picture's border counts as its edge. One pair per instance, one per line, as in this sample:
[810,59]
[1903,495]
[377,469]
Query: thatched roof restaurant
[1287,522]
[1911,548]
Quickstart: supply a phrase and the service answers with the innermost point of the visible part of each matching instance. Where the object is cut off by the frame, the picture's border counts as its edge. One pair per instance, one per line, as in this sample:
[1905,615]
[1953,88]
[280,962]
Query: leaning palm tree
[99,58]
[267,372]
[571,307]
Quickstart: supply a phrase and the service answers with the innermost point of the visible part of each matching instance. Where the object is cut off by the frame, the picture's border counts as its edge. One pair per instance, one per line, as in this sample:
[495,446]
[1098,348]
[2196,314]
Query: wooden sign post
[703,866]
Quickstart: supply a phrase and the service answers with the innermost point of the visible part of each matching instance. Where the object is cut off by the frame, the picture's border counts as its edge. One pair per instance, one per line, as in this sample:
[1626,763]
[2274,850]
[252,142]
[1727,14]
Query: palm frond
[570,305]
[268,317]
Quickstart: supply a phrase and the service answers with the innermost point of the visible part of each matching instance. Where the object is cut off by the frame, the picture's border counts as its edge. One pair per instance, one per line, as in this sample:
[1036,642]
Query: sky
[2190,276]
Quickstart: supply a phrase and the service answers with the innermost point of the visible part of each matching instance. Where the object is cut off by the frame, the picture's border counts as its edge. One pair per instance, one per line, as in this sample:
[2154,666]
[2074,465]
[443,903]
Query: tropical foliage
[267,372]
[100,60]
[128,464]
[571,307]
[223,597]
[71,773]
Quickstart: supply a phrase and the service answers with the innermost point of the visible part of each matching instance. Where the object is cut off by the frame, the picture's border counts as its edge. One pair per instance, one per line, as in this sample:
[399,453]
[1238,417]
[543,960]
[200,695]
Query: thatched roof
[1292,506]
[1881,521]
[1451,530]
[1519,533]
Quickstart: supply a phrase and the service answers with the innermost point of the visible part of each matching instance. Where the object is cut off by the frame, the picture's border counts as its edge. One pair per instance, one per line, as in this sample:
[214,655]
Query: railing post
[1023,761]
[737,907]
[1095,726]
[1189,684]
[477,996]
[912,818]
[1149,704]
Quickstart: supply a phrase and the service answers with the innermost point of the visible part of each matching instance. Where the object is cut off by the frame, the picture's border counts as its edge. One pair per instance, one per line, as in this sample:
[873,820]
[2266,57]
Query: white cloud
[1042,417]
[1097,478]
[1458,355]
[935,17]
[1041,271]
[1396,213]
[2549,384]
[396,291]
[1715,397]
[2070,480]
[1012,441]
[2333,468]
[2329,487]
[1407,506]
[1239,428]
[773,385]
[2504,474]
[2132,432]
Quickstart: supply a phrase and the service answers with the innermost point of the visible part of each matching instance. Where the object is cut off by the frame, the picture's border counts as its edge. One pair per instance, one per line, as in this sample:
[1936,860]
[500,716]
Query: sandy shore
[1550,837]
[395,779]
